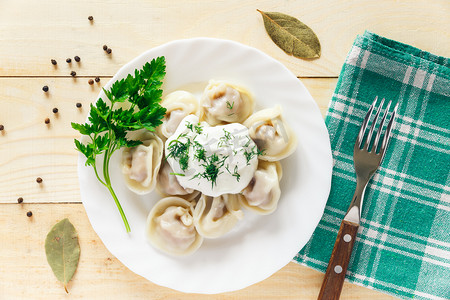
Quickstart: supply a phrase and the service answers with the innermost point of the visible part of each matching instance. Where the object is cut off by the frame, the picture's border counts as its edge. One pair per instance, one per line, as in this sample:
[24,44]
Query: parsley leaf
[107,127]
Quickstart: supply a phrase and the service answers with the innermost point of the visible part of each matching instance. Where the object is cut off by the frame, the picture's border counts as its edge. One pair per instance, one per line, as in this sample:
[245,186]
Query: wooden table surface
[33,32]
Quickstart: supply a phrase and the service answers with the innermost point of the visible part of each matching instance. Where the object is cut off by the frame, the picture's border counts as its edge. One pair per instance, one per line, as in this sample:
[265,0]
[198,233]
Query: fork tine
[374,122]
[388,131]
[380,129]
[364,124]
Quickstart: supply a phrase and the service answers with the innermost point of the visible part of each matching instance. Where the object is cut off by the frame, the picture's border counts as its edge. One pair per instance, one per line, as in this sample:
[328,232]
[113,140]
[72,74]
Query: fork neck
[354,211]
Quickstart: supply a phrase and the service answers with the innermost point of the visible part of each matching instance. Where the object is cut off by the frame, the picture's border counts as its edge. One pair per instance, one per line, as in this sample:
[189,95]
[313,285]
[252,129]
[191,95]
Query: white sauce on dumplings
[213,160]
[226,162]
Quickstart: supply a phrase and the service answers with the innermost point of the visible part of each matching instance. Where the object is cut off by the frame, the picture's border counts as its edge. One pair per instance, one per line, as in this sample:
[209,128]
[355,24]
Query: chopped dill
[248,142]
[230,105]
[228,135]
[212,168]
[179,150]
[177,174]
[211,173]
[184,162]
[200,154]
[198,128]
[194,128]
[260,152]
[250,154]
[214,158]
[236,174]
[225,139]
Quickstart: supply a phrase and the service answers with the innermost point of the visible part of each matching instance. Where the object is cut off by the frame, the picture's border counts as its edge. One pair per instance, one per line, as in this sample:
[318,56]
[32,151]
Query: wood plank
[26,274]
[29,148]
[32,33]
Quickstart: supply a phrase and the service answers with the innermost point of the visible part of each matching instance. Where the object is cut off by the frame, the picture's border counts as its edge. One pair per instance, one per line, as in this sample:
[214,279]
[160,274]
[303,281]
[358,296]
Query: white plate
[260,245]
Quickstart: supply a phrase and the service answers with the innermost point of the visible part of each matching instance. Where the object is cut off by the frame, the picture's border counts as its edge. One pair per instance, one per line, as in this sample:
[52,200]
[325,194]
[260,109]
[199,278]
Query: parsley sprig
[107,127]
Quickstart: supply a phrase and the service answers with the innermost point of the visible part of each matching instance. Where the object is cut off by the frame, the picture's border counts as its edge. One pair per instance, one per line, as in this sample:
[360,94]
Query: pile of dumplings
[178,223]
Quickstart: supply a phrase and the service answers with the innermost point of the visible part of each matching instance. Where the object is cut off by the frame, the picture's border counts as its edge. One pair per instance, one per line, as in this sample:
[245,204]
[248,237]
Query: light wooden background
[33,32]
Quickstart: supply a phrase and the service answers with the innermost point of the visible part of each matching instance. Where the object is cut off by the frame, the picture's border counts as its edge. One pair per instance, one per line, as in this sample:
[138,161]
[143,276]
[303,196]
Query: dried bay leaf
[291,35]
[63,250]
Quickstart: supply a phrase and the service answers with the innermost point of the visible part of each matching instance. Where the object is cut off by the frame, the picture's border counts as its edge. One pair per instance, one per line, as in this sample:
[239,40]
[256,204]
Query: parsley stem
[108,185]
[98,177]
[122,214]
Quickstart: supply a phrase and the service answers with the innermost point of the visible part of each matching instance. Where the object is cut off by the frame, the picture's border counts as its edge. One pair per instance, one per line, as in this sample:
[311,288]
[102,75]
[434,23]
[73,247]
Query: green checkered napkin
[403,243]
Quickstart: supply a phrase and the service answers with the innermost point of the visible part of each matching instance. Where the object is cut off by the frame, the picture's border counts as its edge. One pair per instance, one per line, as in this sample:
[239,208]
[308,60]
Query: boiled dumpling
[263,192]
[178,105]
[215,216]
[170,227]
[274,138]
[140,164]
[168,184]
[225,103]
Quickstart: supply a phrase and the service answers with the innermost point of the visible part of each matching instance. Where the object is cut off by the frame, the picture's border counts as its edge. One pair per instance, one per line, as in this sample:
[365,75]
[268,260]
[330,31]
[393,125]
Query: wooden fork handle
[337,266]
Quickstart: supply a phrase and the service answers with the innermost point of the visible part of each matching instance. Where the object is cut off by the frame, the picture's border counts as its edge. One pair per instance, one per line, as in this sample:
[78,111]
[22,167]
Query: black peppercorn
[91,82]
[19,200]
[47,121]
[77,58]
[45,88]
[105,47]
[73,73]
[68,60]
[97,79]
[29,214]
[78,104]
[2,127]
[109,51]
[55,110]
[54,62]
[39,180]
[90,18]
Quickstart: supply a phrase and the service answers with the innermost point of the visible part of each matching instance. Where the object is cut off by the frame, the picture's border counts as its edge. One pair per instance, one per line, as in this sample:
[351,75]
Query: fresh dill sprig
[107,127]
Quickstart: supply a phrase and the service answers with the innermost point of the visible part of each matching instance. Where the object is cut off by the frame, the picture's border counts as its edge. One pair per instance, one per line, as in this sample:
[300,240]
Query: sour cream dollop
[213,160]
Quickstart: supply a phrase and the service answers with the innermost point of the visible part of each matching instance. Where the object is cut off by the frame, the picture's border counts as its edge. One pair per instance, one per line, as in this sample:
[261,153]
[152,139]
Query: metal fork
[367,157]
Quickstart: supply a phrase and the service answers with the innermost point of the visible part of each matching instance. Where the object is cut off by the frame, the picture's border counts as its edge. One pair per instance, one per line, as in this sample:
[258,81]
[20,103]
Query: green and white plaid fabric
[403,243]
